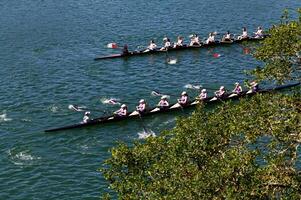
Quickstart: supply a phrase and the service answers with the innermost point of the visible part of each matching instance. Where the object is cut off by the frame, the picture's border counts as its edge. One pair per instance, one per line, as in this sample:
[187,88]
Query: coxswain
[254,86]
[167,44]
[237,89]
[180,42]
[227,37]
[163,103]
[203,94]
[259,32]
[183,99]
[151,47]
[244,34]
[221,92]
[122,112]
[211,38]
[86,117]
[125,50]
[141,108]
[194,40]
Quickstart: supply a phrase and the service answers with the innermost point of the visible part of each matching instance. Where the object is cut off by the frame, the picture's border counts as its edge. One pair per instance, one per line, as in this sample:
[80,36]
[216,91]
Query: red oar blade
[112,45]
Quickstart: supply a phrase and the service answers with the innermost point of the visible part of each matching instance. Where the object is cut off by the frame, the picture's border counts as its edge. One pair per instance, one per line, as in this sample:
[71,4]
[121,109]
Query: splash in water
[22,157]
[112,101]
[190,86]
[4,118]
[144,135]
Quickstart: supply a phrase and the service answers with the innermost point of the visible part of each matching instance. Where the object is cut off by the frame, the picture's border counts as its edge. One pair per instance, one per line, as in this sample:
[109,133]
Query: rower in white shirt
[244,34]
[259,32]
[211,38]
[180,42]
[141,108]
[194,40]
[202,95]
[183,99]
[163,103]
[86,117]
[122,112]
[227,37]
[167,44]
[151,47]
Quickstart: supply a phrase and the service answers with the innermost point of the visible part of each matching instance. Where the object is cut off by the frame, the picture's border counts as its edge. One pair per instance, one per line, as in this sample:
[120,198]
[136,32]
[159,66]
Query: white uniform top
[244,34]
[210,39]
[259,32]
[179,42]
[141,107]
[152,46]
[203,95]
[86,119]
[183,99]
[121,112]
[167,44]
[163,103]
[228,36]
[194,40]
[220,93]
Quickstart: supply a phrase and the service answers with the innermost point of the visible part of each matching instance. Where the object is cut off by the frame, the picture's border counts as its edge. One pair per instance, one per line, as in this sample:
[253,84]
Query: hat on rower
[87,113]
[184,93]
[165,39]
[222,87]
[141,101]
[164,97]
[203,90]
[123,106]
[237,83]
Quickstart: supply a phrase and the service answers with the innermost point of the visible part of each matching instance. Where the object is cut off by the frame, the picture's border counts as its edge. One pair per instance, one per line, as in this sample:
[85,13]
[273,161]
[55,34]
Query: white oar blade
[195,87]
[112,45]
[172,61]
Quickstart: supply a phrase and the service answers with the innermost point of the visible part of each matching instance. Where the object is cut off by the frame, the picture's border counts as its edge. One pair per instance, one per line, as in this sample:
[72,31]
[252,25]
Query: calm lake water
[46,64]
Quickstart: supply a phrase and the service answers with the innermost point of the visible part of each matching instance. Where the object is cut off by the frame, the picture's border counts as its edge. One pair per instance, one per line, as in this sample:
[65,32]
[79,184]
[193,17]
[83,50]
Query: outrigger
[158,50]
[176,106]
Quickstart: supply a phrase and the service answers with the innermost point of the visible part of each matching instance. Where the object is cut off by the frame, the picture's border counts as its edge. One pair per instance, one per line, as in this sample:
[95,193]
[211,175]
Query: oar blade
[112,45]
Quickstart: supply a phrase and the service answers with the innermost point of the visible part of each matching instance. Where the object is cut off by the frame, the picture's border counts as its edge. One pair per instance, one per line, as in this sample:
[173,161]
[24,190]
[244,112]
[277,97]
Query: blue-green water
[46,63]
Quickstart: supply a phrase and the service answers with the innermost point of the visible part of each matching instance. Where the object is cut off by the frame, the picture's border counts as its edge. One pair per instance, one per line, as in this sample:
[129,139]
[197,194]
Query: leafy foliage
[281,52]
[244,150]
[247,150]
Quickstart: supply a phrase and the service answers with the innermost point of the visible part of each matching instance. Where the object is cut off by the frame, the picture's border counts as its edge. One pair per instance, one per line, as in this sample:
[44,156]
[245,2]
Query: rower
[211,38]
[167,44]
[125,50]
[202,95]
[227,37]
[194,40]
[86,117]
[141,108]
[244,34]
[122,112]
[163,103]
[180,42]
[151,47]
[183,99]
[259,32]
[221,92]
[237,89]
[254,86]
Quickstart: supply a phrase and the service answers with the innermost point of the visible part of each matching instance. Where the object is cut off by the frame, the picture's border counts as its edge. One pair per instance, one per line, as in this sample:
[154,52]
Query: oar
[142,123]
[112,45]
[157,93]
[199,87]
[84,109]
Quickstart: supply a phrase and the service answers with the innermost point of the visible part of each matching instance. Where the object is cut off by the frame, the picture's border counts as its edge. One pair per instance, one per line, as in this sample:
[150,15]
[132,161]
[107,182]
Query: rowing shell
[143,52]
[176,106]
